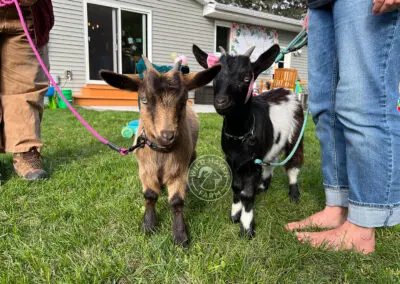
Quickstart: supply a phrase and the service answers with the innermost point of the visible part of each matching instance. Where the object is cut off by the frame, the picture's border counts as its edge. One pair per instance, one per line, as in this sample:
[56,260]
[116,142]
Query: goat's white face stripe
[283,120]
[292,174]
[246,218]
[236,208]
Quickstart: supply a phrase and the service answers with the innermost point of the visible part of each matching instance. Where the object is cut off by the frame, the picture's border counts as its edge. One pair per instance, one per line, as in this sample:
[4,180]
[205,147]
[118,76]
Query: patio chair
[265,85]
[284,78]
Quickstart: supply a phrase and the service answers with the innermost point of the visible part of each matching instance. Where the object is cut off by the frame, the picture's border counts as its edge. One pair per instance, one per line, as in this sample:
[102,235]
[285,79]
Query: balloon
[174,55]
[183,58]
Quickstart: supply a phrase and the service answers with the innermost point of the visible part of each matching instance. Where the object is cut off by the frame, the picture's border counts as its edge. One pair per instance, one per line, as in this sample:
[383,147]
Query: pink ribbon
[250,91]
[212,60]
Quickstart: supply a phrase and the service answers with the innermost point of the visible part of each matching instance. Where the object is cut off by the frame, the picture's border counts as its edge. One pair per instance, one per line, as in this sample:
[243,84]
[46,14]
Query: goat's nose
[167,135]
[221,100]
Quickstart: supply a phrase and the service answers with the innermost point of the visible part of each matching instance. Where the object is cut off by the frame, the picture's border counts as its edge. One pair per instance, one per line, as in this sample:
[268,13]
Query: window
[117,38]
[285,61]
[223,38]
[134,43]
[100,39]
[281,63]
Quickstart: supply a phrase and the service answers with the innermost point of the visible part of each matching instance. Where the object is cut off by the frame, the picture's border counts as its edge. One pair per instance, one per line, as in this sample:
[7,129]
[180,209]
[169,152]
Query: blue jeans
[354,75]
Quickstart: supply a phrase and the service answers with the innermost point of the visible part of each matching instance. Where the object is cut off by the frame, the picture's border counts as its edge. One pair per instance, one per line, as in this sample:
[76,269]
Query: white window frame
[225,25]
[119,7]
[287,62]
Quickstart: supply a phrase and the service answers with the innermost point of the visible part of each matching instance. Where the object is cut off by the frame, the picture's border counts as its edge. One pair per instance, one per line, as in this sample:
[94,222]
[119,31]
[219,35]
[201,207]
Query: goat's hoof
[148,229]
[149,222]
[263,186]
[247,233]
[235,218]
[261,189]
[181,239]
[294,199]
[294,193]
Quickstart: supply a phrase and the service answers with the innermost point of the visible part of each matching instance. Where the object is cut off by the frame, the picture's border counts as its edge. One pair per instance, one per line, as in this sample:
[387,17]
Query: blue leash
[298,42]
[262,163]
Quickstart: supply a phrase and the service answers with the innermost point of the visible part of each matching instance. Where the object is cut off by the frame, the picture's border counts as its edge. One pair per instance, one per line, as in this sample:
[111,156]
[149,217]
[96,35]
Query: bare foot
[346,237]
[330,217]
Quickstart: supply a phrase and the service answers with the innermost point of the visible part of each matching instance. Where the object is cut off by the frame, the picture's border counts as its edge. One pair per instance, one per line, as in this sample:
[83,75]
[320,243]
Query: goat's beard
[224,111]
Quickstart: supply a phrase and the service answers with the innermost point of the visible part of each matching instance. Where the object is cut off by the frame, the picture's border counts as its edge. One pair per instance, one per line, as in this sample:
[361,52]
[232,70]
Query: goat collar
[250,91]
[142,141]
[243,137]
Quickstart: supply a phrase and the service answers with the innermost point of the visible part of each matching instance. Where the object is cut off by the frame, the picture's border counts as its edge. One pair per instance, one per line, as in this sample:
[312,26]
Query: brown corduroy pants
[22,85]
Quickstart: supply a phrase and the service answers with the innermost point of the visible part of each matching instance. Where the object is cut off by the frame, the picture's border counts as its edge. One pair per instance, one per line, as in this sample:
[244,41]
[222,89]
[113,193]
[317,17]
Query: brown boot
[28,165]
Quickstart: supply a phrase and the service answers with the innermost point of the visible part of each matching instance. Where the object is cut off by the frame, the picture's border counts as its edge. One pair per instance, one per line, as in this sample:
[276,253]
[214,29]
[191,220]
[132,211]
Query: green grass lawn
[84,224]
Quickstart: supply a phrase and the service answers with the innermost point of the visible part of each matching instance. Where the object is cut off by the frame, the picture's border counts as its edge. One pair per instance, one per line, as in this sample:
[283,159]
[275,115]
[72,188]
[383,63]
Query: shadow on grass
[52,160]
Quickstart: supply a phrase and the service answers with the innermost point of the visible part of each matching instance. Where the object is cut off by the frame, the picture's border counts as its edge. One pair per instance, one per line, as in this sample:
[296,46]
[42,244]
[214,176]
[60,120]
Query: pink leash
[122,151]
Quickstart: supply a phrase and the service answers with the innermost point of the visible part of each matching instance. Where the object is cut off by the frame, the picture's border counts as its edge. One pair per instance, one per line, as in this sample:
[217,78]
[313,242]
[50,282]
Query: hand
[305,21]
[384,6]
[27,3]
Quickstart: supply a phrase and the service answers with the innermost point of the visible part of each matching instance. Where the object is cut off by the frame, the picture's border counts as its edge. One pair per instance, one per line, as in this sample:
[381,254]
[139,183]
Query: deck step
[104,95]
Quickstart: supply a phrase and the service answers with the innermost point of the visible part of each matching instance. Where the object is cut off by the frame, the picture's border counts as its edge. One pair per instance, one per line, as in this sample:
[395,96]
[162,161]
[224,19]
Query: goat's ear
[200,56]
[123,82]
[199,79]
[265,60]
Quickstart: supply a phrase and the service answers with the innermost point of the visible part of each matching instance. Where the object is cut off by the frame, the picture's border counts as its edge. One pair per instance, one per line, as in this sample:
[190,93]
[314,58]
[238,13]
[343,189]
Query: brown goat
[169,130]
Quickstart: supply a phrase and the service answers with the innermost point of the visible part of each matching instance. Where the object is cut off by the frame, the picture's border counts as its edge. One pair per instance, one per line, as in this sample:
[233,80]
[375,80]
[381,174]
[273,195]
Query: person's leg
[368,51]
[369,48]
[23,86]
[1,116]
[323,76]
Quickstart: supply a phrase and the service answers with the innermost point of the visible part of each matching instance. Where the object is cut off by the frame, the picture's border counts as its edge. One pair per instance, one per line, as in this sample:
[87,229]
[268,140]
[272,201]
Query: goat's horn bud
[223,51]
[177,65]
[249,52]
[147,62]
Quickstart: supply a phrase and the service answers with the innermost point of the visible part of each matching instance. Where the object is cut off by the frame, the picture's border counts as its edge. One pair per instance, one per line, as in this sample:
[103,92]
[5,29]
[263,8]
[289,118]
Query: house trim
[240,15]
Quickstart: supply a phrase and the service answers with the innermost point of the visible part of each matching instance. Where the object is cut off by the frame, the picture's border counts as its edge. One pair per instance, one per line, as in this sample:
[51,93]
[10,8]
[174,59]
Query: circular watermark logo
[210,177]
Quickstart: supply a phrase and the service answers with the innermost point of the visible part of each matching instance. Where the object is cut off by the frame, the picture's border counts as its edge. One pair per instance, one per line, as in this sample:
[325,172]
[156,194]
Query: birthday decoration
[176,57]
[212,60]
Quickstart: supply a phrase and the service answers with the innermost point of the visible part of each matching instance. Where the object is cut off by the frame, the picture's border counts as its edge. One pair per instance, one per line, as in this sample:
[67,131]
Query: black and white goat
[254,127]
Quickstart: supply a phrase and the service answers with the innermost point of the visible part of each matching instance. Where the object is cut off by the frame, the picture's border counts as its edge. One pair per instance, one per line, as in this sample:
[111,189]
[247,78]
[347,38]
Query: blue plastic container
[131,129]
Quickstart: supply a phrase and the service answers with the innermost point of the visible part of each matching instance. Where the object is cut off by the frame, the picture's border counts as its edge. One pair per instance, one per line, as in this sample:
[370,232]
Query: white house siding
[176,25]
[67,44]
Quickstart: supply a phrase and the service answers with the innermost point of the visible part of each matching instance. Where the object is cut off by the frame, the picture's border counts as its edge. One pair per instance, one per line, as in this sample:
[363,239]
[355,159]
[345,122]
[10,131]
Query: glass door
[117,39]
[101,39]
[133,40]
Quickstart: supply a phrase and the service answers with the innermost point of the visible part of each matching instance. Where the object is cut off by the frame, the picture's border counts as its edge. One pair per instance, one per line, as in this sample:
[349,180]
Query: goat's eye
[246,79]
[143,100]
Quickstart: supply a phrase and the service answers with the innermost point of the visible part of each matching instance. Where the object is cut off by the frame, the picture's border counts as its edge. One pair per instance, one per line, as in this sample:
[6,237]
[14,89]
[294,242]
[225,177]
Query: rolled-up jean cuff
[373,216]
[337,196]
